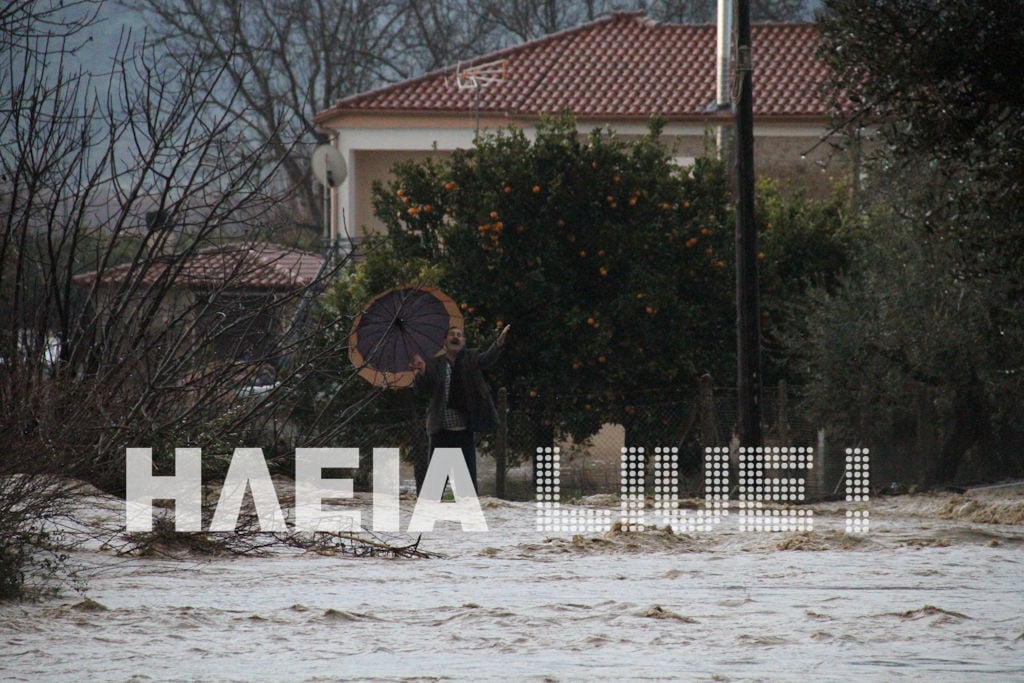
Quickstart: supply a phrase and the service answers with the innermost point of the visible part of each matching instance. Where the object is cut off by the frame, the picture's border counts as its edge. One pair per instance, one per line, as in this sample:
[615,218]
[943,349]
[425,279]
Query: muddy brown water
[931,592]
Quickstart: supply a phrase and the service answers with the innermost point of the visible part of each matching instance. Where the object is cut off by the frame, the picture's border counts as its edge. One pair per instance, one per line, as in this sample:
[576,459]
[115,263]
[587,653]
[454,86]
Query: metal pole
[328,238]
[748,332]
[723,80]
[501,445]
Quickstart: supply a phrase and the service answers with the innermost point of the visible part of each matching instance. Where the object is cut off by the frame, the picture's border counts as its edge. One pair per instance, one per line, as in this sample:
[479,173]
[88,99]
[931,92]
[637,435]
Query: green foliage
[415,210]
[920,364]
[32,562]
[919,350]
[941,80]
[805,244]
[952,68]
[383,266]
[33,551]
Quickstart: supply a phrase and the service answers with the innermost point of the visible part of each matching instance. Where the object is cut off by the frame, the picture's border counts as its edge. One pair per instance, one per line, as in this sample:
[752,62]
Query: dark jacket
[481,415]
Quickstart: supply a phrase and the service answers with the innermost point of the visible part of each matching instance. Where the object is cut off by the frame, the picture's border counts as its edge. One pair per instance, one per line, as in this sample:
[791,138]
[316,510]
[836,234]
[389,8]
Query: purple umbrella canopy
[395,327]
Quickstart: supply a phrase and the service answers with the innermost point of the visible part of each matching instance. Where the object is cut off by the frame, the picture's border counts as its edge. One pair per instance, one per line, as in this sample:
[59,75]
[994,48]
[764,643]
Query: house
[616,72]
[238,298]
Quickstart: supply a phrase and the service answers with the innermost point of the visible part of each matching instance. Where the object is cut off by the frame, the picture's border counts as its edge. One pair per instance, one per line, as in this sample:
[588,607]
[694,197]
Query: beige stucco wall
[371,166]
[799,162]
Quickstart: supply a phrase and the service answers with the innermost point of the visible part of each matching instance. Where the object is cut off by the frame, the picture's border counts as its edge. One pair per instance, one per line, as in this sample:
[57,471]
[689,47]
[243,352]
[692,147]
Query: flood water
[931,592]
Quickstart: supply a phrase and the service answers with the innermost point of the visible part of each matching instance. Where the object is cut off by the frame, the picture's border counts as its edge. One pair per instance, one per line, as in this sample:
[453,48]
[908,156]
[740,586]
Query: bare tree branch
[113,189]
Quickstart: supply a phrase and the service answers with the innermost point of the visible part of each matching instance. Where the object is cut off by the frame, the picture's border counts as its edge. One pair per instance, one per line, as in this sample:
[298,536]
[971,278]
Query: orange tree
[612,264]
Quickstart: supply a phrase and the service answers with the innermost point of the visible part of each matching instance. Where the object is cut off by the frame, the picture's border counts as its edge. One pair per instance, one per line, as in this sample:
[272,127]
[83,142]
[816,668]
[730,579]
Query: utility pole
[723,80]
[748,323]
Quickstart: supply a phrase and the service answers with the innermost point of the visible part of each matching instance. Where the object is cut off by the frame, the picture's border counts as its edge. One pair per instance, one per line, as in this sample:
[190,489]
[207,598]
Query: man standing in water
[460,402]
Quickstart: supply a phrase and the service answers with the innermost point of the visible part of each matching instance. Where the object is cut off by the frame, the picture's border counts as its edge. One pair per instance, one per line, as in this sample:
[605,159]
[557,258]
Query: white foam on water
[921,596]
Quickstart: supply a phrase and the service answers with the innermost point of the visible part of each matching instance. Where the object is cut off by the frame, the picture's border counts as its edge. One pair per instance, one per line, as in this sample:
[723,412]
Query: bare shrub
[139,305]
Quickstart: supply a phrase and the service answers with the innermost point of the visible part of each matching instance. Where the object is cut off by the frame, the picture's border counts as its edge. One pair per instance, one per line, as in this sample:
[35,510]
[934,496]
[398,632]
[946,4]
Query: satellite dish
[329,166]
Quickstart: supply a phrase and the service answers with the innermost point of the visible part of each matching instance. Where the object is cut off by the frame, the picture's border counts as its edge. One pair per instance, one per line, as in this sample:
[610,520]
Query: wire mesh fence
[689,421]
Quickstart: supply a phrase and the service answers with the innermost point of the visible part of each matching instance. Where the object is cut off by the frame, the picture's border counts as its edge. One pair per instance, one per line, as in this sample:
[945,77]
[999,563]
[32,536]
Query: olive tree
[920,349]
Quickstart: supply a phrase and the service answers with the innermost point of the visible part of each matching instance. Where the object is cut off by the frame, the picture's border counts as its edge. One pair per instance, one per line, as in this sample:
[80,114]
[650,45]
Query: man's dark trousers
[446,438]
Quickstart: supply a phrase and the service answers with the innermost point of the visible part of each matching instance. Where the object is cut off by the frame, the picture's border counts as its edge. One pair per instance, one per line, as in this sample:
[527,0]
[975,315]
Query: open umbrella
[396,326]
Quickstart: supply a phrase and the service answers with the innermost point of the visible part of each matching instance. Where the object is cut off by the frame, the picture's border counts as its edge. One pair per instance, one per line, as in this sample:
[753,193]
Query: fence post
[501,444]
[708,427]
[783,415]
[822,470]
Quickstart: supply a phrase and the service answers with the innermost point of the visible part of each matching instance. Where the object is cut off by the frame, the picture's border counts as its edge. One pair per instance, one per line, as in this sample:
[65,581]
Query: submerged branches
[248,540]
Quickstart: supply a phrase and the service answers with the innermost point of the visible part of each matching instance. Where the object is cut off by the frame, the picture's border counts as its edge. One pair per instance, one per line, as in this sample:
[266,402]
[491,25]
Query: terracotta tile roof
[623,66]
[247,266]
